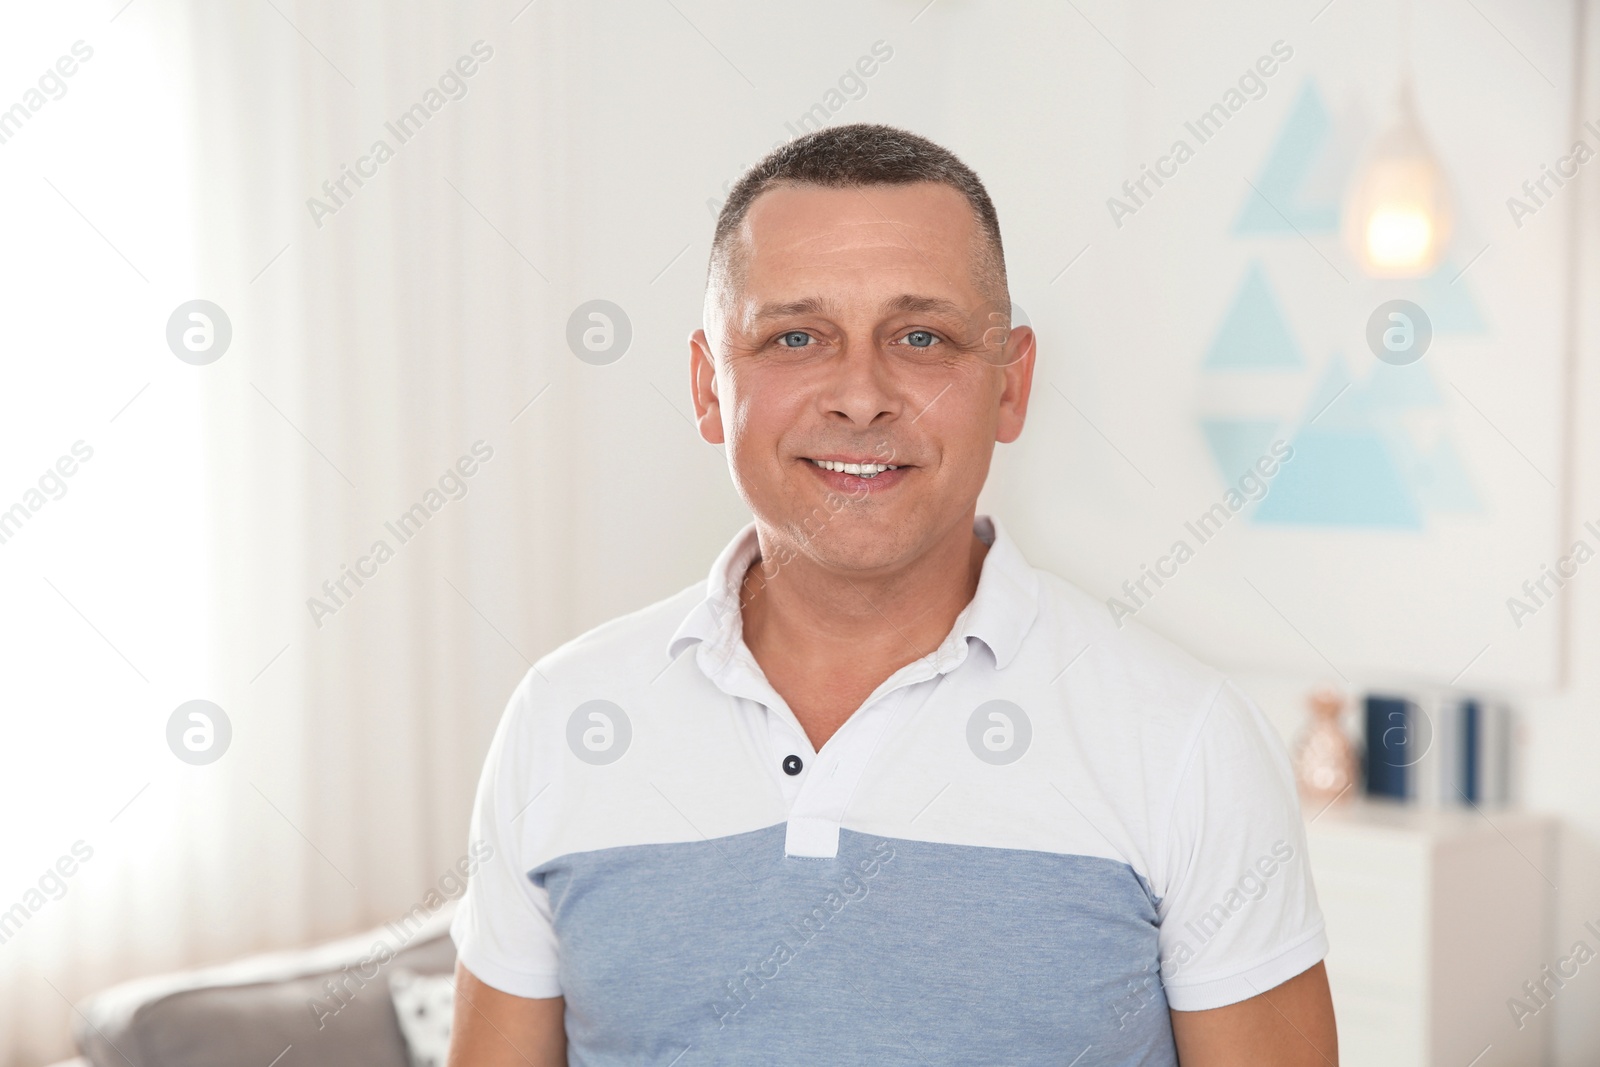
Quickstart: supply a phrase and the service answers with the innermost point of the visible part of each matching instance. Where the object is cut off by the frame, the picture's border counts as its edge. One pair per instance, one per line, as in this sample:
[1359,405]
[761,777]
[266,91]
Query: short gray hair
[860,154]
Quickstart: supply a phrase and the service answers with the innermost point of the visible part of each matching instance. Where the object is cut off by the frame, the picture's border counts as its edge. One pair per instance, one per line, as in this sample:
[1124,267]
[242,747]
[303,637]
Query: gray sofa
[330,1003]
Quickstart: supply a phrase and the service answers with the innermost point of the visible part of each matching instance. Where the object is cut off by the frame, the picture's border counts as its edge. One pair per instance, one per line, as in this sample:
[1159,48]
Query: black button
[792,765]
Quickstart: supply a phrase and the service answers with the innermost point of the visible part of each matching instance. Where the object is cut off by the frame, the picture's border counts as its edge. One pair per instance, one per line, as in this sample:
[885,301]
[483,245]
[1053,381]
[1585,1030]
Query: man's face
[859,334]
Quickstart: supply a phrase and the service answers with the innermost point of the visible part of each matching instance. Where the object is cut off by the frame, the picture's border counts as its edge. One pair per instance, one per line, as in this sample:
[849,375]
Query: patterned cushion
[424,1004]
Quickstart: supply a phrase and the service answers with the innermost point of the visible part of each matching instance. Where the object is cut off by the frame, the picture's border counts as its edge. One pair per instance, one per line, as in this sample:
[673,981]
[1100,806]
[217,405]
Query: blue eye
[794,339]
[921,339]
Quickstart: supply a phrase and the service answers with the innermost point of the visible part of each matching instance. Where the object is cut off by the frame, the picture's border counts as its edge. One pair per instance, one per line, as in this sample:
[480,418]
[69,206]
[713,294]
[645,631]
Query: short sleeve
[502,927]
[1239,913]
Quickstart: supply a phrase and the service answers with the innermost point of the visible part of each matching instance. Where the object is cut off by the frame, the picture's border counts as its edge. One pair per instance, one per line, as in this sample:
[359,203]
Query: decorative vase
[1324,758]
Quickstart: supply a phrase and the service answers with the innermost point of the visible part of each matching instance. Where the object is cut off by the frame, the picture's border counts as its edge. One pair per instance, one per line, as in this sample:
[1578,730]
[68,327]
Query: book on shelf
[1447,748]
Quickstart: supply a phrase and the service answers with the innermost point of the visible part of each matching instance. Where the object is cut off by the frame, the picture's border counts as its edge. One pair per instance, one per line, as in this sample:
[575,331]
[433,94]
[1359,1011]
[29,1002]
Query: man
[879,792]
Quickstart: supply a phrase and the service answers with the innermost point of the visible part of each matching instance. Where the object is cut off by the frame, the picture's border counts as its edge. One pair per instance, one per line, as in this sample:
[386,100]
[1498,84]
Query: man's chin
[861,539]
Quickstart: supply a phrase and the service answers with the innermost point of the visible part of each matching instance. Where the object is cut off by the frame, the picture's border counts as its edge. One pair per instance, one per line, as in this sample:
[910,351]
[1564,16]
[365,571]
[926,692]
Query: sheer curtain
[106,627]
[371,350]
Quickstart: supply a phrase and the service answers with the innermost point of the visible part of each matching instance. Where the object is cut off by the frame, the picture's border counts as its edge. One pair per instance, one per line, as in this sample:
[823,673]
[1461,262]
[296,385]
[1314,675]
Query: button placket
[817,811]
[818,794]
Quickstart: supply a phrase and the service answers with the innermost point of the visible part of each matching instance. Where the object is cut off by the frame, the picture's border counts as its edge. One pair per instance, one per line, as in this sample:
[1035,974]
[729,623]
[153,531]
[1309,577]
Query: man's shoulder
[1126,680]
[1121,657]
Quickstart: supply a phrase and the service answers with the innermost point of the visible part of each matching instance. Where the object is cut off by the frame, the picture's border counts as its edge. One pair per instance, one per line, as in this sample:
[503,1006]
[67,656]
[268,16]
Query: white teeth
[863,470]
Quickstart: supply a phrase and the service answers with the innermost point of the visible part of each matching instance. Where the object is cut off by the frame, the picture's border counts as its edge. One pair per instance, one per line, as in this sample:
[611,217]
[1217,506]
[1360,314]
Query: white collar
[999,614]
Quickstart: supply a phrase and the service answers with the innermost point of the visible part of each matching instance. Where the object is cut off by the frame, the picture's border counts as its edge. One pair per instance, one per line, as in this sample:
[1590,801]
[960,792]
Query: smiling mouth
[860,470]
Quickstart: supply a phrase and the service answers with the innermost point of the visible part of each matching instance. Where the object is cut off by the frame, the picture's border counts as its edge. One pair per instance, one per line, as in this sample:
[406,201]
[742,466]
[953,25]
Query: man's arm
[1290,1025]
[495,1029]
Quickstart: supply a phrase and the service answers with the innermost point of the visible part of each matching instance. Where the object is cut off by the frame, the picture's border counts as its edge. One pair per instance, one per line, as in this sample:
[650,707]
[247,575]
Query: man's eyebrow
[934,305]
[810,305]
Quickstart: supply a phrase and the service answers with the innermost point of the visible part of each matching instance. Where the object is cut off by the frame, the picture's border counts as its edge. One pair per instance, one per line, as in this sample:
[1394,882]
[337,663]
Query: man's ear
[703,388]
[1018,384]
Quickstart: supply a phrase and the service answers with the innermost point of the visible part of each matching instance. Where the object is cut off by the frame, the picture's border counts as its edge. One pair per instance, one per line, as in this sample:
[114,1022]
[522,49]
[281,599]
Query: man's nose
[861,387]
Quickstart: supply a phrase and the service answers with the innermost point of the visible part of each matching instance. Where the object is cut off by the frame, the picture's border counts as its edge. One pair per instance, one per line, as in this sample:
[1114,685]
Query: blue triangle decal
[1337,402]
[1339,477]
[1236,444]
[1254,335]
[1303,137]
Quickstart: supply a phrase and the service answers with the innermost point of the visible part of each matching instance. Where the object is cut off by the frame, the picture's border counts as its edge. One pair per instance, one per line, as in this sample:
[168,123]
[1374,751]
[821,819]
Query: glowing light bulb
[1399,238]
[1397,214]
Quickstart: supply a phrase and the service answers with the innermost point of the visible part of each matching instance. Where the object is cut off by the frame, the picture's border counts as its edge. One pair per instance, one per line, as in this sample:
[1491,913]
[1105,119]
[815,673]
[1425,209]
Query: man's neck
[826,639]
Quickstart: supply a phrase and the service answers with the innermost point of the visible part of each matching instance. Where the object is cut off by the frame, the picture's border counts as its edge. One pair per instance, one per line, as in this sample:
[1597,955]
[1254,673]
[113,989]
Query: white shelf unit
[1436,916]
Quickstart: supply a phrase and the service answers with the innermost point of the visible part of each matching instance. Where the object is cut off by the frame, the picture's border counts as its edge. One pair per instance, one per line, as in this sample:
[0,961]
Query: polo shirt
[1024,847]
